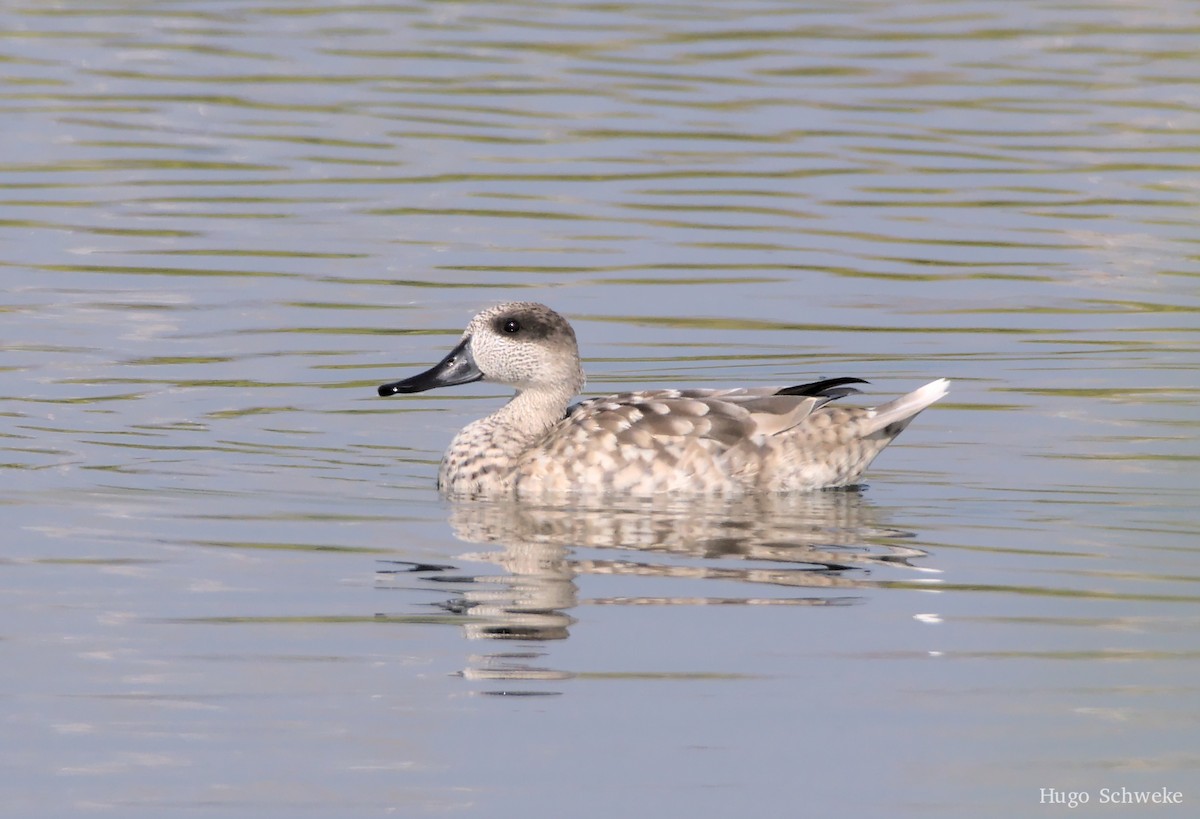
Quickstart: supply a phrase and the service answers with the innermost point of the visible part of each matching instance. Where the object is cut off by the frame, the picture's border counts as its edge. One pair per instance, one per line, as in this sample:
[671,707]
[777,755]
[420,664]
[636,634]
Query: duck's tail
[894,416]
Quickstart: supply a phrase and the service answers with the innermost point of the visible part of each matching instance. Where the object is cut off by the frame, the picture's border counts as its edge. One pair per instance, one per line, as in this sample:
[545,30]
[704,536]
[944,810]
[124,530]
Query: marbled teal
[684,442]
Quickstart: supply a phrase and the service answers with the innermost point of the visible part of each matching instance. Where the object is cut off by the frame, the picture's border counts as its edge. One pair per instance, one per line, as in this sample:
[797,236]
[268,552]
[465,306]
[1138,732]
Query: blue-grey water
[228,586]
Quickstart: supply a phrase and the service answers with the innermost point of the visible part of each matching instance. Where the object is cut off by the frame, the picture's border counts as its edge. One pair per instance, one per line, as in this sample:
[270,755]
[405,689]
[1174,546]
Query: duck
[680,442]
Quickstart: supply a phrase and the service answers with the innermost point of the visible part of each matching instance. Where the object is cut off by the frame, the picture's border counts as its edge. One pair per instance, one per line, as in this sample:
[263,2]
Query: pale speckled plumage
[703,441]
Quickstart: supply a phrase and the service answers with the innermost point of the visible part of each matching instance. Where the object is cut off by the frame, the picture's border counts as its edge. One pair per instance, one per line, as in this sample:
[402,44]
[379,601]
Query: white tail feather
[906,407]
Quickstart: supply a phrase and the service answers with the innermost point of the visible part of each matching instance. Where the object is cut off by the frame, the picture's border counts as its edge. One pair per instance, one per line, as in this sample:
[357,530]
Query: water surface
[230,587]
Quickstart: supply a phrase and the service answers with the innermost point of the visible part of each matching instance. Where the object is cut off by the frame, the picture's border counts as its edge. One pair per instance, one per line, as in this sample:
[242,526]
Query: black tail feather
[830,388]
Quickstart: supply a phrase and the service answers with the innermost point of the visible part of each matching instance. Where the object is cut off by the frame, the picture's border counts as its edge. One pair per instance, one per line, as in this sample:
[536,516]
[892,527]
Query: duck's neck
[510,430]
[531,412]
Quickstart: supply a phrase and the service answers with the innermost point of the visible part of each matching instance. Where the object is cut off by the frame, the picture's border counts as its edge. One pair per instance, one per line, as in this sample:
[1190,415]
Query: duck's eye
[512,326]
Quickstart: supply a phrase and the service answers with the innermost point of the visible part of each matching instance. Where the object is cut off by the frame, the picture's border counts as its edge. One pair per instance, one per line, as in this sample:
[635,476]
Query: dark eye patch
[528,326]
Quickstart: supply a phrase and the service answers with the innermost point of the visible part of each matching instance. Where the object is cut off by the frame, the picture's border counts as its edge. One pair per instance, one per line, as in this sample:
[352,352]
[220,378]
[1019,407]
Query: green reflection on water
[757,324]
[97,231]
[290,547]
[149,271]
[266,254]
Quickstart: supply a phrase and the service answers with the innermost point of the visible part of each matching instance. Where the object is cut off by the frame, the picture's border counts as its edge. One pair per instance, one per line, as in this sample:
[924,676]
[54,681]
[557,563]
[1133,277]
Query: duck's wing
[697,441]
[716,441]
[718,419]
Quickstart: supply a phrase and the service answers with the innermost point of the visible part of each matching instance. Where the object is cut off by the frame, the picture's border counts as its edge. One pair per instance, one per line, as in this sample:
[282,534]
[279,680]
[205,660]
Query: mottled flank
[717,442]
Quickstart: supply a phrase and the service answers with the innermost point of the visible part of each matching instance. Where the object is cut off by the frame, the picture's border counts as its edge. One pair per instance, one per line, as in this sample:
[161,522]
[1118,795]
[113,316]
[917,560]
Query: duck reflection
[761,548]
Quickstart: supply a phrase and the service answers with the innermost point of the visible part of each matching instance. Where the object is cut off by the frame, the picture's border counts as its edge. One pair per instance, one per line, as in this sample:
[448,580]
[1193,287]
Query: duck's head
[523,344]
